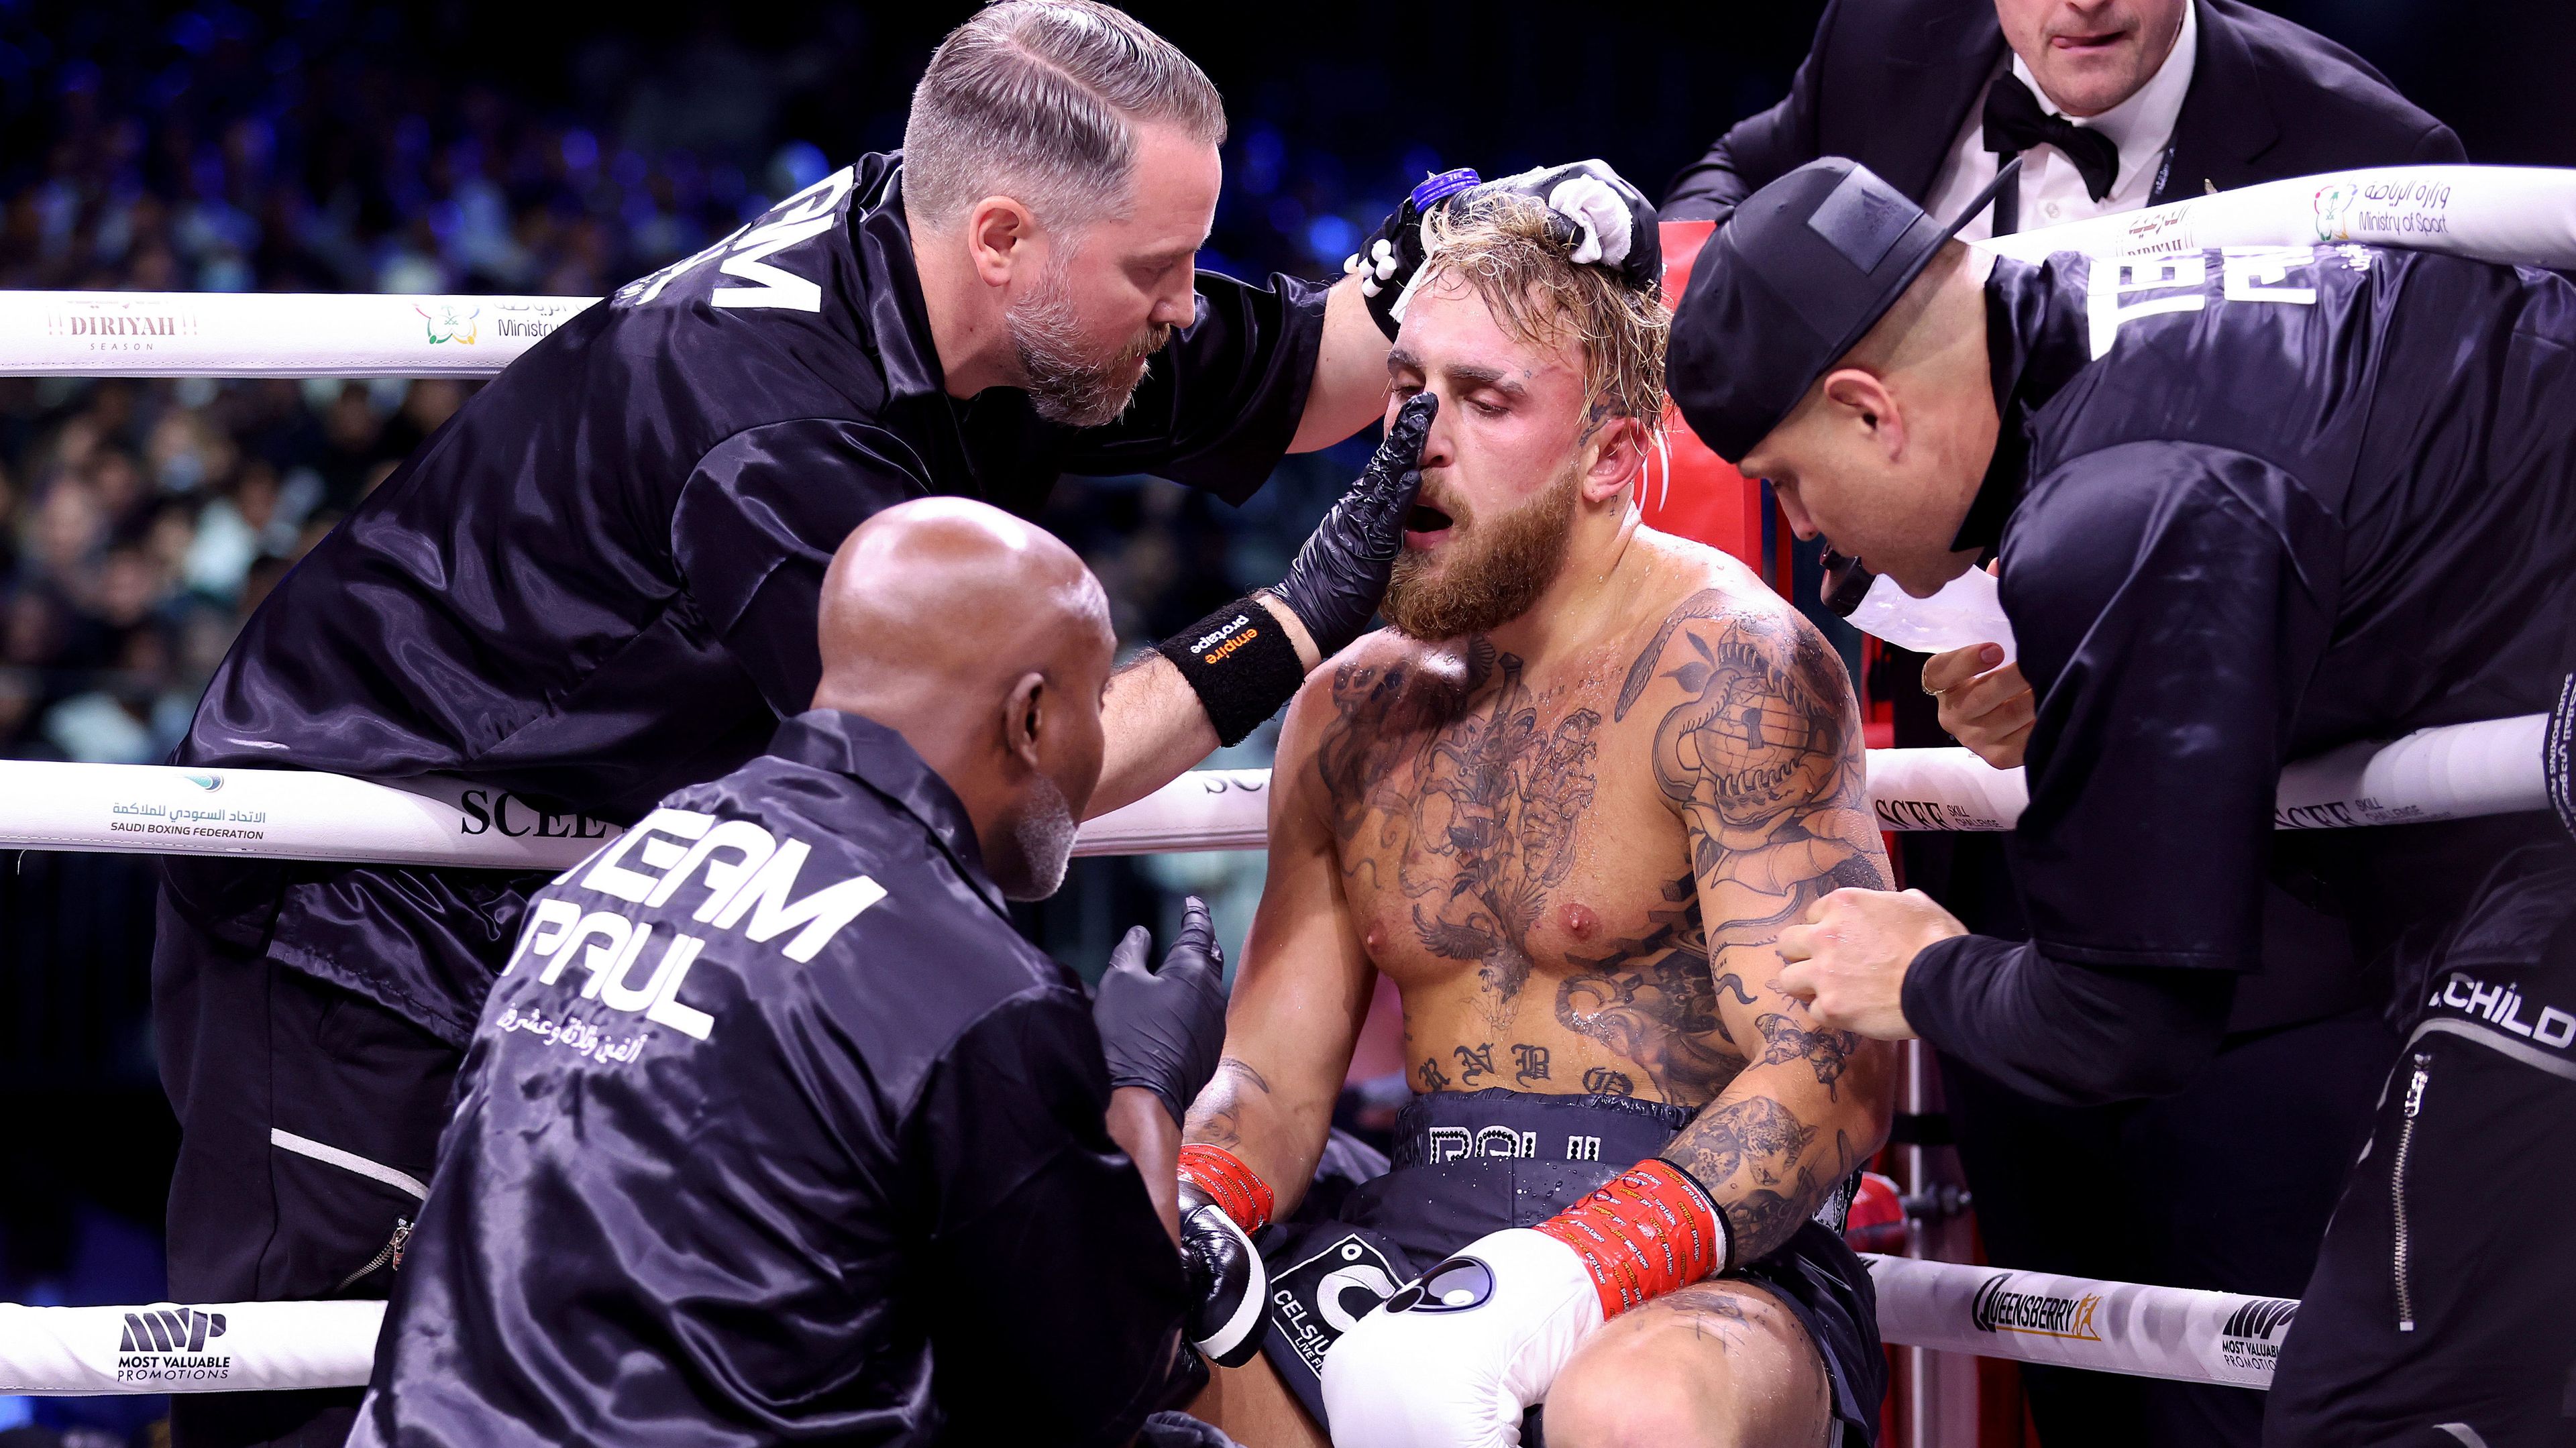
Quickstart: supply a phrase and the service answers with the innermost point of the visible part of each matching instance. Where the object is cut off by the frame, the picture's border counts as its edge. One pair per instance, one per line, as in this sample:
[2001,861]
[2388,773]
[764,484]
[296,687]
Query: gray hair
[1036,100]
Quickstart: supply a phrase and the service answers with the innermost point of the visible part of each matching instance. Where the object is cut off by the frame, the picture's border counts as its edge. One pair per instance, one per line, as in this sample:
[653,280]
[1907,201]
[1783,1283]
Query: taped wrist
[1240,663]
[1235,1189]
[1649,1230]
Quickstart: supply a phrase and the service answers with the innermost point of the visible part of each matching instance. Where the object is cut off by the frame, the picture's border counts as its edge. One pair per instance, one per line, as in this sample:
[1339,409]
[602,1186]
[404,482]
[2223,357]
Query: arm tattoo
[1751,1156]
[1216,1118]
[1826,1052]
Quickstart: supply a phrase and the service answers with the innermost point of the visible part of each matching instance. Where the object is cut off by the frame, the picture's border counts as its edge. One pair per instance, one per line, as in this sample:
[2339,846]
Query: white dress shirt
[2052,190]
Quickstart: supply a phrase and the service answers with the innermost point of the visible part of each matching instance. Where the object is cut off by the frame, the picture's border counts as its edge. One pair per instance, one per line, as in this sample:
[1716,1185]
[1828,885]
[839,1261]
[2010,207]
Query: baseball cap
[1792,281]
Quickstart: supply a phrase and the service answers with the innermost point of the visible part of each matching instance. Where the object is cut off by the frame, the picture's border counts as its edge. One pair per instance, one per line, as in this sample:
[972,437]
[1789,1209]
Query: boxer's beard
[1495,572]
[1066,380]
[1040,847]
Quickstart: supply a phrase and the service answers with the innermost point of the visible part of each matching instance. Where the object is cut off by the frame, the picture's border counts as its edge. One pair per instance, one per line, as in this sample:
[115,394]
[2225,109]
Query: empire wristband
[1650,1230]
[1241,664]
[1236,1189]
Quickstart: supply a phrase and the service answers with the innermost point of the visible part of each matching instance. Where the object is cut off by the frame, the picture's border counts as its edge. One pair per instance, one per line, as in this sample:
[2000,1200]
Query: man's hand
[1986,708]
[1161,1030]
[1338,577]
[1848,961]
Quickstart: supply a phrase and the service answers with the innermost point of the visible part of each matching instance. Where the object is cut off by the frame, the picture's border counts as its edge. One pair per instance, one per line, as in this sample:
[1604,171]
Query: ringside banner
[269,334]
[2113,1327]
[170,1347]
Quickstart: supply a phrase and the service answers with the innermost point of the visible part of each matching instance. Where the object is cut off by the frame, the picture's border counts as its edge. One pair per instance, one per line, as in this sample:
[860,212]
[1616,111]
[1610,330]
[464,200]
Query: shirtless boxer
[1565,803]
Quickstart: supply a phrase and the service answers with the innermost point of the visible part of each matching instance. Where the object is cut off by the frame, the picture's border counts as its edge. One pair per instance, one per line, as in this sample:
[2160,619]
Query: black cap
[1792,281]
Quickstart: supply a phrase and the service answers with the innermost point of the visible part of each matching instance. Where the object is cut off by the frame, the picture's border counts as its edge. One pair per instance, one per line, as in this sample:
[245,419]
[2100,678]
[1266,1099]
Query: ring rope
[2118,1327]
[2450,772]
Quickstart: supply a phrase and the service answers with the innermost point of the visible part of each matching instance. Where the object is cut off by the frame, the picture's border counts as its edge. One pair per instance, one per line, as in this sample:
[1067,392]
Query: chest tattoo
[1652,1001]
[1463,797]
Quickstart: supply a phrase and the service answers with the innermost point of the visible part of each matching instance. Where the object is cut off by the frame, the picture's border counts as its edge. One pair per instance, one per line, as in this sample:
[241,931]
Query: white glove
[1457,1357]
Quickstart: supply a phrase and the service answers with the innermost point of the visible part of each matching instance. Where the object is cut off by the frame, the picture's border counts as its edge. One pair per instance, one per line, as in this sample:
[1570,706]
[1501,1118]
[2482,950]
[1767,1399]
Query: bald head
[986,643]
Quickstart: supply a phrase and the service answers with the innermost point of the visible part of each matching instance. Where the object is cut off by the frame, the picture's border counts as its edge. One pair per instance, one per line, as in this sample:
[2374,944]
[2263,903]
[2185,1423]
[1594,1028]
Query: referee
[2250,505]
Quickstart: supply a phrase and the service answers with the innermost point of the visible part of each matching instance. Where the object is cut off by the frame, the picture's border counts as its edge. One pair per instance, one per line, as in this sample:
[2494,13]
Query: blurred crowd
[308,149]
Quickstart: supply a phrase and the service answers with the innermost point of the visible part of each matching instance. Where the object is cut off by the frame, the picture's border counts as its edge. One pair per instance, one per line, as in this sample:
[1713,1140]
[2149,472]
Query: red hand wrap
[1647,1231]
[1223,1176]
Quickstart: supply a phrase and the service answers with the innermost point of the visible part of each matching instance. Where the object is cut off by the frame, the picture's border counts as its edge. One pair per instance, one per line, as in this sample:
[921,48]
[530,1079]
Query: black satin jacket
[2252,506]
[599,581]
[775,1131]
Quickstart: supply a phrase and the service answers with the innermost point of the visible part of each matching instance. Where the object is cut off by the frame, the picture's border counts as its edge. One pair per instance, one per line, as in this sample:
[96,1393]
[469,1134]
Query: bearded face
[1487,571]
[1070,377]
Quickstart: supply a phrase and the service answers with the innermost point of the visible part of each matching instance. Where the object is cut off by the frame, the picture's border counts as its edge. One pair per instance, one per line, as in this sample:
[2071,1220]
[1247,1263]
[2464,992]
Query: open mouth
[1426,524]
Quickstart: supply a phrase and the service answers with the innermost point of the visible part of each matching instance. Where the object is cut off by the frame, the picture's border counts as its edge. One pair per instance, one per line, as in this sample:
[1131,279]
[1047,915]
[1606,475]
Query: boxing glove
[1458,1355]
[1226,1280]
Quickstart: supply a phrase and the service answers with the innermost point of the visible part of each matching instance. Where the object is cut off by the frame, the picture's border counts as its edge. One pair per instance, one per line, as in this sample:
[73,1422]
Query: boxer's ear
[1000,236]
[1621,441]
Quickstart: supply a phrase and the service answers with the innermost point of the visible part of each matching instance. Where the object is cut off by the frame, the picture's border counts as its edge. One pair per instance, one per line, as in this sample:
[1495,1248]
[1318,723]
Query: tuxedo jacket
[1890,82]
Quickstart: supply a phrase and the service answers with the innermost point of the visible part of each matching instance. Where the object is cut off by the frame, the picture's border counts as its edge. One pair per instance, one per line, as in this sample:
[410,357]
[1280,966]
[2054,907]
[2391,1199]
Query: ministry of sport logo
[2033,1314]
[2251,1338]
[450,323]
[169,1344]
[2332,202]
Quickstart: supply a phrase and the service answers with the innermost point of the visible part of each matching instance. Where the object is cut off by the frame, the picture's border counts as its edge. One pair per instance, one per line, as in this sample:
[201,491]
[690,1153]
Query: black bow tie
[2016,122]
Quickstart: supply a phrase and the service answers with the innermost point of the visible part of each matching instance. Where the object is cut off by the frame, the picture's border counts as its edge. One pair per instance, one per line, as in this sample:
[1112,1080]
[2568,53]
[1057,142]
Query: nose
[1796,513]
[1178,304]
[1437,451]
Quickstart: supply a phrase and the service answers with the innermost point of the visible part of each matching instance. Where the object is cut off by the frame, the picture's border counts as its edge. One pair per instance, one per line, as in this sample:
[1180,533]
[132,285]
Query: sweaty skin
[1571,842]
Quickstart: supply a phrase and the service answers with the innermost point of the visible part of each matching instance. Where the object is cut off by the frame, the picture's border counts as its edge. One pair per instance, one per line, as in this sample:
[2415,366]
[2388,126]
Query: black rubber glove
[1608,222]
[1386,262]
[1341,573]
[1162,1029]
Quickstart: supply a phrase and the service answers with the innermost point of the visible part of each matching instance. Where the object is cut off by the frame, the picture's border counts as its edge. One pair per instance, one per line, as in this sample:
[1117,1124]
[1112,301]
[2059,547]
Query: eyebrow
[1474,374]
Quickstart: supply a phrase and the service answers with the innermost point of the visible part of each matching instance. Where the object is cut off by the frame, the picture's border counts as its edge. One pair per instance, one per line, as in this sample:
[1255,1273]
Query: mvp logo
[2033,1314]
[168,1344]
[2251,1339]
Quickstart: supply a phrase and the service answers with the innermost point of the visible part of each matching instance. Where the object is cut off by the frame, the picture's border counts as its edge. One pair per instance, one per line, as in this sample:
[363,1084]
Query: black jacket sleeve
[1061,1294]
[759,521]
[1757,150]
[2072,1034]
[2170,601]
[1221,402]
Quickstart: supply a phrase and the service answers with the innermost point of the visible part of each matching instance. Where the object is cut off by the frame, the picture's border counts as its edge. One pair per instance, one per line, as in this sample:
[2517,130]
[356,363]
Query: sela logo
[450,323]
[2251,1339]
[2033,1314]
[168,1344]
[489,811]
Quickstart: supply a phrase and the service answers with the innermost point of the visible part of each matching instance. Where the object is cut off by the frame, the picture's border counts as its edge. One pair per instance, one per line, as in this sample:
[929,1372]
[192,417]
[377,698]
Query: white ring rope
[2118,1327]
[2451,772]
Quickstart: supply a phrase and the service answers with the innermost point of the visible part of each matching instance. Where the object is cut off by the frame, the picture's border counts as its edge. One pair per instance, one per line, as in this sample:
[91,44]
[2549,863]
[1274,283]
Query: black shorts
[1467,1163]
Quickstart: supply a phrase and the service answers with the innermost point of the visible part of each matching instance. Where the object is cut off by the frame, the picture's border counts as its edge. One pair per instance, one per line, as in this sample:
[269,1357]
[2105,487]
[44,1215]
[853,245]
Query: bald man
[773,1129]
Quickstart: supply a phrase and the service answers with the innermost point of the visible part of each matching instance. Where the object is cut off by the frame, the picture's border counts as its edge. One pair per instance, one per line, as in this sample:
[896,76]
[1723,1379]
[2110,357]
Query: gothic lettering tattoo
[1529,1063]
[1431,1076]
[1602,1081]
[1474,1061]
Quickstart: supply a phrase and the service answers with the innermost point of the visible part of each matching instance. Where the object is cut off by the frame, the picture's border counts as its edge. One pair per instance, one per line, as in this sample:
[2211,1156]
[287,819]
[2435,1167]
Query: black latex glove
[1162,1029]
[1607,221]
[1341,573]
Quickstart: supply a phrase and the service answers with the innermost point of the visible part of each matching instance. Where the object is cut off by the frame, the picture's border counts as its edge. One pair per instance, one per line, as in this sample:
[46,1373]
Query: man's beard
[1032,862]
[1065,381]
[1479,583]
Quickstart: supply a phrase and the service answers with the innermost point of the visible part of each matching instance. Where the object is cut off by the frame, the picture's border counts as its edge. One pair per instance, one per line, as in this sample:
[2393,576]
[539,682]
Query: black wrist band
[1240,662]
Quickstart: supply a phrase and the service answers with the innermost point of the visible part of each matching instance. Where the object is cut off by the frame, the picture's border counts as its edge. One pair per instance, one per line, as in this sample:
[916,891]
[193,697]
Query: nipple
[1579,920]
[1375,940]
